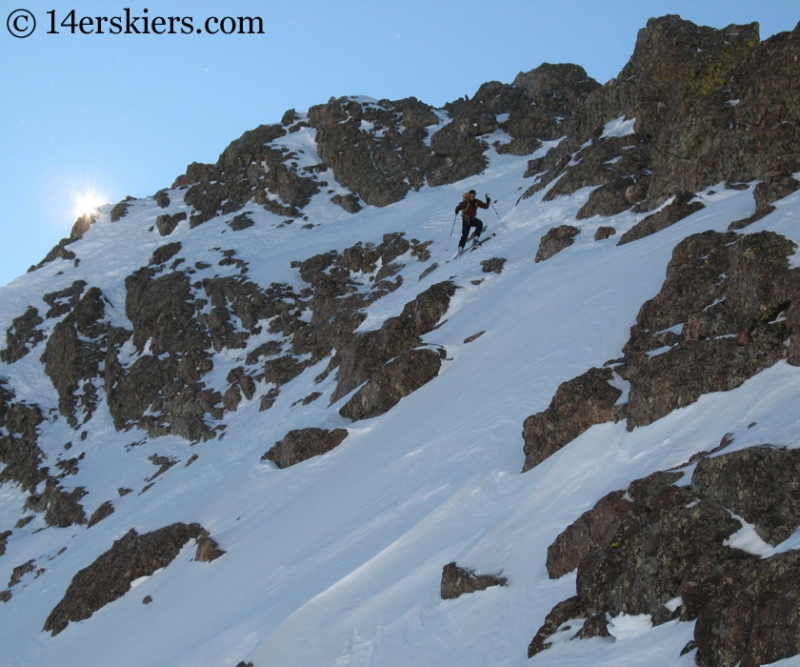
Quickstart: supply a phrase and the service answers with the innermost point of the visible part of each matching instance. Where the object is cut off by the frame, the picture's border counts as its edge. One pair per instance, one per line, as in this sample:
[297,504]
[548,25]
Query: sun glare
[87,203]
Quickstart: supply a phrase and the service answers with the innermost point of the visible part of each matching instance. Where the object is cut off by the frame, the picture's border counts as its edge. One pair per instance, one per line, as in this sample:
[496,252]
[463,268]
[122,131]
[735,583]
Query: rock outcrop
[706,106]
[458,581]
[725,312]
[664,553]
[109,577]
[302,444]
[555,240]
[398,378]
[577,405]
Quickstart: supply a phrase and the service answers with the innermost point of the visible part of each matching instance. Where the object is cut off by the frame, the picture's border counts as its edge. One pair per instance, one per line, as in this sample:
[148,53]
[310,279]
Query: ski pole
[497,214]
[447,249]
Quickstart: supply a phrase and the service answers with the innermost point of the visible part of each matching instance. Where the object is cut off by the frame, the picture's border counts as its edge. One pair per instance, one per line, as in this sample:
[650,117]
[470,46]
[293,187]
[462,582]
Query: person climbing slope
[468,208]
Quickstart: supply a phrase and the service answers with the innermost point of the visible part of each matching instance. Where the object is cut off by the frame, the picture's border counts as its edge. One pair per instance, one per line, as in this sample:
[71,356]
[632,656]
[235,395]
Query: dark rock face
[603,233]
[74,353]
[251,168]
[3,539]
[110,576]
[398,378]
[23,462]
[372,349]
[493,265]
[555,240]
[715,322]
[577,405]
[375,150]
[747,613]
[22,335]
[457,581]
[166,224]
[635,555]
[596,527]
[762,485]
[554,93]
[302,444]
[682,206]
[709,107]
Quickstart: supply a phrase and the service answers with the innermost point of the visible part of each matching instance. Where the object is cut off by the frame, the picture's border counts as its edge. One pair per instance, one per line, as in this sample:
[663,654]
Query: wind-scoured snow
[338,560]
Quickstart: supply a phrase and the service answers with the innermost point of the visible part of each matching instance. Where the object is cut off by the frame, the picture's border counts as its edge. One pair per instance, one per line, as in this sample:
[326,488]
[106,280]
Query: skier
[469,207]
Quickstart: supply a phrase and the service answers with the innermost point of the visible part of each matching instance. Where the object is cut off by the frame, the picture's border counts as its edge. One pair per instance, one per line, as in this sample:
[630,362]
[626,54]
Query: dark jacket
[470,208]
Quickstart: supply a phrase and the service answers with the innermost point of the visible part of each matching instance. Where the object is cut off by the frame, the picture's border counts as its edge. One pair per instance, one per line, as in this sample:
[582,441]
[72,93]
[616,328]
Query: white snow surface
[338,560]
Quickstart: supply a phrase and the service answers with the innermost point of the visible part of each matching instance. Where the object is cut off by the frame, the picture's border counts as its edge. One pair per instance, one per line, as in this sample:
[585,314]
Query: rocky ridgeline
[710,106]
[381,150]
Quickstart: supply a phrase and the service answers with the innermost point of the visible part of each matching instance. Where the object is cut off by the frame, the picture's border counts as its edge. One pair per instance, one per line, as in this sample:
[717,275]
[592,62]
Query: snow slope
[337,560]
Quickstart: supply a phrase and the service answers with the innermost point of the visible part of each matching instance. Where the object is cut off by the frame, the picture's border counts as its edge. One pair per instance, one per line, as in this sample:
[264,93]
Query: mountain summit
[267,417]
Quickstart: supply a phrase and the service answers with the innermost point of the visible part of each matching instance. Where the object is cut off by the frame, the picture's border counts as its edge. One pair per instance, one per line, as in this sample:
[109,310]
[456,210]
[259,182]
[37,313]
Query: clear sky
[112,115]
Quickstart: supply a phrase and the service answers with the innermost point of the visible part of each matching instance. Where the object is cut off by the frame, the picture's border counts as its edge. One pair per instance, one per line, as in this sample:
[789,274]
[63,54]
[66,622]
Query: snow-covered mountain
[255,418]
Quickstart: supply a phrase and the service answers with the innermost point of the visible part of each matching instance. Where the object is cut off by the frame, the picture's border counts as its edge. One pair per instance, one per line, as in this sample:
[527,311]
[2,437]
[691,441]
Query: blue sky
[118,115]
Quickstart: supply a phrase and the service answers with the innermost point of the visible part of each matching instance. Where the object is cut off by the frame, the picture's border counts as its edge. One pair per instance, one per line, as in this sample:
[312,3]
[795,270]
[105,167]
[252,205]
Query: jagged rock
[373,167]
[681,207]
[165,381]
[635,555]
[105,510]
[593,528]
[20,571]
[63,301]
[74,353]
[609,199]
[457,581]
[603,233]
[241,384]
[564,611]
[109,577]
[164,253]
[551,94]
[249,169]
[577,405]
[240,222]
[120,210]
[284,369]
[61,509]
[207,549]
[715,321]
[301,444]
[166,224]
[561,89]
[709,105]
[22,335]
[773,188]
[759,484]
[555,240]
[393,381]
[162,198]
[19,451]
[370,350]
[3,539]
[81,226]
[747,613]
[493,265]
[348,202]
